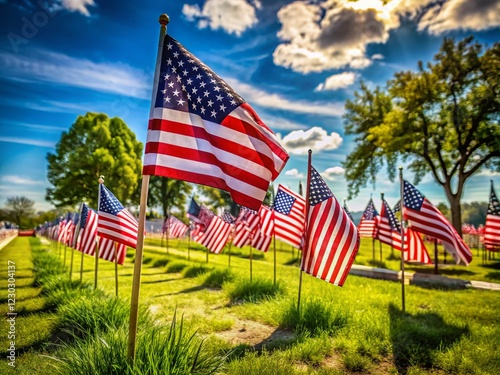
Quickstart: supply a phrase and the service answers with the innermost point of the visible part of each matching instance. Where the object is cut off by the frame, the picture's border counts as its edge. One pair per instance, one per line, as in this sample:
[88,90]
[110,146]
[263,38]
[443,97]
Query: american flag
[289,216]
[389,230]
[246,224]
[266,215]
[369,221]
[107,250]
[427,219]
[176,228]
[63,228]
[115,222]
[332,238]
[88,231]
[216,234]
[492,226]
[201,131]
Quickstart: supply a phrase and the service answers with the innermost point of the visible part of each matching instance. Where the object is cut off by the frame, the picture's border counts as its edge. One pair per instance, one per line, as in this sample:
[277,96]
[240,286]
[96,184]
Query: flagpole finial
[310,151]
[101,179]
[164,20]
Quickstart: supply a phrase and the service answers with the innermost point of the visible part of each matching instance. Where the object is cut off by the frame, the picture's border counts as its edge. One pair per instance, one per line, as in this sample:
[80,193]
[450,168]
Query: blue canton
[228,218]
[318,190]
[283,202]
[494,206]
[108,202]
[412,197]
[186,84]
[392,219]
[194,208]
[370,211]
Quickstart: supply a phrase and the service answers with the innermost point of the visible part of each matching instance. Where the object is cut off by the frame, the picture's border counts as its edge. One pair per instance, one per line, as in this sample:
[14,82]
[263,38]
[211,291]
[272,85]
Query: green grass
[175,267]
[358,328]
[253,291]
[195,271]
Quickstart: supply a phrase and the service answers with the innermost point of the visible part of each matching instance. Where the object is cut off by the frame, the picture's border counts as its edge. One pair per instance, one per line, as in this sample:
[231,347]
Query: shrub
[217,278]
[254,291]
[176,267]
[195,271]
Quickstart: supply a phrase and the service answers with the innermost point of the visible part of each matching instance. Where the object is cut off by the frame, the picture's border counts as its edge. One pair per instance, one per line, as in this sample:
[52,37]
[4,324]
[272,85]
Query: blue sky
[295,62]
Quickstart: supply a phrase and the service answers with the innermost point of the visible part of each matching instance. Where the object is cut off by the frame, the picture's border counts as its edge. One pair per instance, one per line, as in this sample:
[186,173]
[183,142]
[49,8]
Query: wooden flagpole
[189,244]
[274,239]
[136,282]
[96,254]
[402,239]
[304,246]
[81,267]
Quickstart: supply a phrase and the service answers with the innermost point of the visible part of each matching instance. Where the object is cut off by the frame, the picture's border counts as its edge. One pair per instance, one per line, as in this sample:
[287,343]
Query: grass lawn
[359,328]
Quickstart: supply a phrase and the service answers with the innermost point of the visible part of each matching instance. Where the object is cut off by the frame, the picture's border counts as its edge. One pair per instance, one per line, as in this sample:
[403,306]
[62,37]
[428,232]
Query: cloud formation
[48,66]
[294,172]
[232,16]
[27,141]
[332,34]
[21,180]
[461,14]
[331,173]
[80,6]
[317,139]
[337,81]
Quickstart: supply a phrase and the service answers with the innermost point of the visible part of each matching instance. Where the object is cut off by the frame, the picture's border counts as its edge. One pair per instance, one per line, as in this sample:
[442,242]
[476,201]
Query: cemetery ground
[241,327]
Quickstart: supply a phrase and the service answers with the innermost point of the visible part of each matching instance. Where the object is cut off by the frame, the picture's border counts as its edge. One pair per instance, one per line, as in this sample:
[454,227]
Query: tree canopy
[94,145]
[167,193]
[442,119]
[19,210]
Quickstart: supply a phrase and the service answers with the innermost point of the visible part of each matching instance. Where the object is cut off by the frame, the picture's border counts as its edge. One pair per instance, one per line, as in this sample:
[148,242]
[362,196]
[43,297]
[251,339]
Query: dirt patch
[254,334]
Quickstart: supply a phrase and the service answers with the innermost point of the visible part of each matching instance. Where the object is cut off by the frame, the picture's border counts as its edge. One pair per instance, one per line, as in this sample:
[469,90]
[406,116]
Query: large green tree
[19,210]
[168,193]
[442,119]
[95,145]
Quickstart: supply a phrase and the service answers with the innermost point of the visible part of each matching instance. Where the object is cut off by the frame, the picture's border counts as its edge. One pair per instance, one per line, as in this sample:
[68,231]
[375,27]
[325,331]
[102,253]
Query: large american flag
[427,219]
[88,230]
[115,222]
[332,238]
[201,131]
[492,226]
[289,216]
[369,221]
[107,250]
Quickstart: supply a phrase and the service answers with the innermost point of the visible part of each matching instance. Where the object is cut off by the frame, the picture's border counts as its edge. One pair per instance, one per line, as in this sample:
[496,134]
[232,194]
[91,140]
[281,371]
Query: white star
[222,108]
[169,45]
[169,62]
[210,103]
[176,93]
[219,97]
[180,102]
[214,113]
[205,94]
[181,63]
[202,110]
[202,84]
[167,99]
[176,54]
[189,81]
[171,84]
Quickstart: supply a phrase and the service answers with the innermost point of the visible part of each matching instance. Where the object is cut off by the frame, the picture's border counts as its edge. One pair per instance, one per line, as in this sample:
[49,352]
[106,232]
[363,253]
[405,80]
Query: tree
[443,119]
[19,210]
[168,193]
[95,145]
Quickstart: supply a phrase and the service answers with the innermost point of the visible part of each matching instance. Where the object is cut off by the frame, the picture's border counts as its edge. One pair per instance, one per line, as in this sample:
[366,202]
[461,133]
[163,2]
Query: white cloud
[331,173]
[294,172]
[21,181]
[298,142]
[232,16]
[461,14]
[331,34]
[268,100]
[27,141]
[377,56]
[337,81]
[78,6]
[53,67]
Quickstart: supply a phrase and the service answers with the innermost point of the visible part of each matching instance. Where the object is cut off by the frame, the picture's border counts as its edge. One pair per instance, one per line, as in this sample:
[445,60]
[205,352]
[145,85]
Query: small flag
[332,238]
[427,219]
[369,222]
[289,216]
[492,226]
[88,231]
[107,250]
[115,222]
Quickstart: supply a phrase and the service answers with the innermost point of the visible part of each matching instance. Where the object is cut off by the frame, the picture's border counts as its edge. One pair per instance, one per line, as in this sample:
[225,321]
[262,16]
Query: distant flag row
[113,223]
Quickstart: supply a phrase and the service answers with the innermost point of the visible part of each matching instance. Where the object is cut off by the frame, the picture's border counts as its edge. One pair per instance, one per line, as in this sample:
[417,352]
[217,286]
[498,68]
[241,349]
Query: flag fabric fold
[107,250]
[332,238]
[200,130]
[115,222]
[492,225]
[427,219]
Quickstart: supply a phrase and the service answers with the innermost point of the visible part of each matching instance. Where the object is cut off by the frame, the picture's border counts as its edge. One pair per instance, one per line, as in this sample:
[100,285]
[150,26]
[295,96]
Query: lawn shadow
[493,275]
[280,339]
[494,265]
[415,337]
[187,290]
[377,263]
[158,281]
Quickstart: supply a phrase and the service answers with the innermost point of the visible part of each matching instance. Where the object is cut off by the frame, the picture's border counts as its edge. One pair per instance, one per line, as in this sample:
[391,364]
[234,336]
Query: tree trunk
[456,214]
[454,200]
